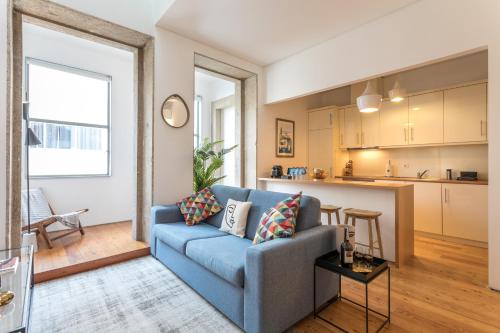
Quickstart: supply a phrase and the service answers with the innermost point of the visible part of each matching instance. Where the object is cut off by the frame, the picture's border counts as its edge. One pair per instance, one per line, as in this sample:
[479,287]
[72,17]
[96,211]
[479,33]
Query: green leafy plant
[207,159]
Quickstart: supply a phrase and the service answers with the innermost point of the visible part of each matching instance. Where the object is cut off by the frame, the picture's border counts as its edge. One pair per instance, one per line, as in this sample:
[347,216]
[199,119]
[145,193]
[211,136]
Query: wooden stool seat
[361,213]
[329,210]
[369,216]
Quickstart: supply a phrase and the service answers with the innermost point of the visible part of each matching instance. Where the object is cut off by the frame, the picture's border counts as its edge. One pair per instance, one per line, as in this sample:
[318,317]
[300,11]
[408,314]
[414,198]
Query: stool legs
[370,236]
[338,216]
[346,220]
[329,218]
[379,238]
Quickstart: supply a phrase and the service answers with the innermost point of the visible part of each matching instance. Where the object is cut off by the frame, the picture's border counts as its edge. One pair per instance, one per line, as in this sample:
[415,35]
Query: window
[69,113]
[197,121]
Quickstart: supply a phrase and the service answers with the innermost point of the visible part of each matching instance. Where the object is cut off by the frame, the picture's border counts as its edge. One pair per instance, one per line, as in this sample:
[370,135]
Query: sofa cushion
[199,206]
[278,221]
[309,211]
[224,193]
[177,234]
[223,256]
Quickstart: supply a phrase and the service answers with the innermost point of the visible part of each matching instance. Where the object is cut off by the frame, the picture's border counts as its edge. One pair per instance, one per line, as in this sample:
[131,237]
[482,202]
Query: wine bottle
[346,251]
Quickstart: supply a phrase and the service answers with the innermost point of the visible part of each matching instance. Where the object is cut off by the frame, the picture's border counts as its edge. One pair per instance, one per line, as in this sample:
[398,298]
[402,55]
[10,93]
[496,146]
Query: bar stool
[369,216]
[329,210]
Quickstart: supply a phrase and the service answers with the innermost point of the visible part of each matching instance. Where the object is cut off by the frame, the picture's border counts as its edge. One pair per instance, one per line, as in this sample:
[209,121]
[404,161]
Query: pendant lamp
[370,100]
[397,94]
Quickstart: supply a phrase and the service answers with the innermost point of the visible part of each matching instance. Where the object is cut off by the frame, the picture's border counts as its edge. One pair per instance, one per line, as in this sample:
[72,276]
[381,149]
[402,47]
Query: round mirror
[175,111]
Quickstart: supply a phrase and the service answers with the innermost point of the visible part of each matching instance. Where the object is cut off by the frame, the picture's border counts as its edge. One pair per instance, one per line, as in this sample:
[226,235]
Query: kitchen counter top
[411,179]
[339,182]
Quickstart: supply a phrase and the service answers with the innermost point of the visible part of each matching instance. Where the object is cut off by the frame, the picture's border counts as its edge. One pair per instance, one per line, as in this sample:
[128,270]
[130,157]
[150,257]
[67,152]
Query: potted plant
[207,159]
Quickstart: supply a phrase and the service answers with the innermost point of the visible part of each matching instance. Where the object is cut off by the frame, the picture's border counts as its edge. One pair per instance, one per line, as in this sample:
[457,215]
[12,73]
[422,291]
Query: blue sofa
[262,288]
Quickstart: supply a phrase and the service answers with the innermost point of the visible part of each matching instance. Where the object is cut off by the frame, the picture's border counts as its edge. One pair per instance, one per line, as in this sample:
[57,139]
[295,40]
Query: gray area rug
[139,295]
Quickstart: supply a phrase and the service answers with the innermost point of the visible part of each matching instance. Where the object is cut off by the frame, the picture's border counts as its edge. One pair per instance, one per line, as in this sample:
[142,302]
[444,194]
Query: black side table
[331,262]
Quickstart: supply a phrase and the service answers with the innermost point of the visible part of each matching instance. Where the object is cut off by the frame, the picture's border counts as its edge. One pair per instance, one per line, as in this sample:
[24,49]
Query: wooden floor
[443,289]
[101,245]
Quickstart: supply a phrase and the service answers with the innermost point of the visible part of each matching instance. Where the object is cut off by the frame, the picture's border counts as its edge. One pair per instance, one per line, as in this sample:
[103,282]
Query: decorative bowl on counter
[318,174]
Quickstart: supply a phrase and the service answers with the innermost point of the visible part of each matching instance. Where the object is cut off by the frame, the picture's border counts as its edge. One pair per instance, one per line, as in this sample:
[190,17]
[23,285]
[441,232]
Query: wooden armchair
[42,215]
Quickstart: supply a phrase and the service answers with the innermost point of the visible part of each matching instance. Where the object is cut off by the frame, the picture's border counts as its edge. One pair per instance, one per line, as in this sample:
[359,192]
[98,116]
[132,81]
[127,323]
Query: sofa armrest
[159,215]
[166,214]
[279,279]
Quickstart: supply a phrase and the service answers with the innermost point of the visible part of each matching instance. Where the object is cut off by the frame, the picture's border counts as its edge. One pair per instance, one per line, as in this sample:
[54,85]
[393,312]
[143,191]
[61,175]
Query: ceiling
[265,31]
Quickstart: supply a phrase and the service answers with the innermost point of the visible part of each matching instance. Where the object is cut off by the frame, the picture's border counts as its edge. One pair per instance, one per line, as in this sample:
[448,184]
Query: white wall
[134,14]
[173,148]
[109,199]
[3,113]
[420,33]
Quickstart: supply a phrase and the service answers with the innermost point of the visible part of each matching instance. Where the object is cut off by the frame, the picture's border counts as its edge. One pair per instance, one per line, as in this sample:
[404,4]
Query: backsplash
[407,162]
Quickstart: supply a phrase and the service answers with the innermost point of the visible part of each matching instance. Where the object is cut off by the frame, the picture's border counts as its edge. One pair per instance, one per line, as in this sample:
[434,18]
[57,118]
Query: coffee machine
[276,171]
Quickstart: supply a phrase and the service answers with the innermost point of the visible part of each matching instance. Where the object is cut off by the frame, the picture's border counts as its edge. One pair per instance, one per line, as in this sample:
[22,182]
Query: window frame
[82,72]
[198,101]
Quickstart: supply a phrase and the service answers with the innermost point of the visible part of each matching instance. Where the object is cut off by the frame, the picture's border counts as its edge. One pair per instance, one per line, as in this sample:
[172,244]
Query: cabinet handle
[341,139]
[411,131]
[362,138]
[406,135]
[330,118]
[357,138]
[446,195]
[481,127]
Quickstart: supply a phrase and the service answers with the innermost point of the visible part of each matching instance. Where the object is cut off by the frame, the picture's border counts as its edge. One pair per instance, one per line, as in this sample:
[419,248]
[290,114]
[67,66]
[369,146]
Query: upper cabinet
[448,116]
[351,133]
[394,124]
[465,114]
[426,118]
[320,119]
[370,129]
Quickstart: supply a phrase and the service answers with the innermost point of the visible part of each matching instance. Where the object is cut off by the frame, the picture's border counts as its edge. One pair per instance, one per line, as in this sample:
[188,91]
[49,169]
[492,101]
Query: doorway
[63,20]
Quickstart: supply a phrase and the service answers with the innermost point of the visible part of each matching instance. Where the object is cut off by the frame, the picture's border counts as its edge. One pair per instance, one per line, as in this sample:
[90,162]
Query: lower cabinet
[465,211]
[427,207]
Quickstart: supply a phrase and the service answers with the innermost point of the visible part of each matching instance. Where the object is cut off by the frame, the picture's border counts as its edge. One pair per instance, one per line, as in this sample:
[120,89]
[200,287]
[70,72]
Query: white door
[465,114]
[465,211]
[426,118]
[352,127]
[320,119]
[427,207]
[370,129]
[320,150]
[394,123]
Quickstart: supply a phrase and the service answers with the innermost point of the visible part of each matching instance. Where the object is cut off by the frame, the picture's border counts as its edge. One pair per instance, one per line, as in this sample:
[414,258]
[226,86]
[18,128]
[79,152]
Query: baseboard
[90,265]
[452,239]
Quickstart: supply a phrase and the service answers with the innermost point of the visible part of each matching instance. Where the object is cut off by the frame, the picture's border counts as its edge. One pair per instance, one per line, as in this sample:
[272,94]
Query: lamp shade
[397,94]
[370,100]
[31,138]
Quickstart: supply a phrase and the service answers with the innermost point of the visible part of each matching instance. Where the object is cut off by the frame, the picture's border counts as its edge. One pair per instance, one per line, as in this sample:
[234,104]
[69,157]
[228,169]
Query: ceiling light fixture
[370,100]
[397,94]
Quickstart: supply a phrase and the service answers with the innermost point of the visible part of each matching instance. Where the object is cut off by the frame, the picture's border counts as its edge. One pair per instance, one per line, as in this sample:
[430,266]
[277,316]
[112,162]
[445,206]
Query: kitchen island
[394,200]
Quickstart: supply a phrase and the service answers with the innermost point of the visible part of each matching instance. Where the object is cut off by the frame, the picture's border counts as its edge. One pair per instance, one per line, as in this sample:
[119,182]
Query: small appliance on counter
[297,172]
[276,171]
[468,175]
[449,175]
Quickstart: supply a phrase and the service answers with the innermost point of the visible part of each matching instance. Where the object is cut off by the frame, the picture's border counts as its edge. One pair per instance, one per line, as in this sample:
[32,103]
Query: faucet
[420,175]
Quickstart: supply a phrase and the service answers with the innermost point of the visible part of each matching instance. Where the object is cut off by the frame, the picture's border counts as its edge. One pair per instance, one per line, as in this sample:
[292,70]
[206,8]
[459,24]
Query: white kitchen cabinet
[465,211]
[352,128]
[320,119]
[427,207]
[370,129]
[426,118]
[394,124]
[320,150]
[465,114]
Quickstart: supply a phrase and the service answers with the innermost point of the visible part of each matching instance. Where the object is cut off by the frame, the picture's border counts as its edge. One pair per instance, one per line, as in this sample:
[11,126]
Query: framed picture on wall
[285,138]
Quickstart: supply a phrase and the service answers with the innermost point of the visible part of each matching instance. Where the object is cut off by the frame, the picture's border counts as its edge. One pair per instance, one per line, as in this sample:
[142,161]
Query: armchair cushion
[223,256]
[178,234]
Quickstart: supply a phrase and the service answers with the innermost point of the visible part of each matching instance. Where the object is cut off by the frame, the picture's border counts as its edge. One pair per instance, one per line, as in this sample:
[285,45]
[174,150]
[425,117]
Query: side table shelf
[331,262]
